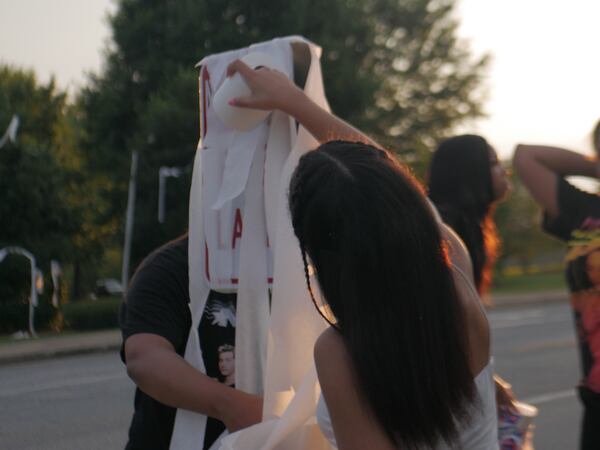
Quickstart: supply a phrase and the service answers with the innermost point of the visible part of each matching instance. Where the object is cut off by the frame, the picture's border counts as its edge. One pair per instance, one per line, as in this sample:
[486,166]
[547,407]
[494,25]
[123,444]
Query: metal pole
[33,299]
[129,221]
[55,273]
[163,173]
[161,194]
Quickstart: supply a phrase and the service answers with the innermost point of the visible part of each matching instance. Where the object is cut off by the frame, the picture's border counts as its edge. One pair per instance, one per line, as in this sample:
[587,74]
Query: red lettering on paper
[237,228]
[220,242]
[206,261]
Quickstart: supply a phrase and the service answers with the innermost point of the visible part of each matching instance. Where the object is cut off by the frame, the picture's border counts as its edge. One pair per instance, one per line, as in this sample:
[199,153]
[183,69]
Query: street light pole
[163,173]
[129,221]
[11,131]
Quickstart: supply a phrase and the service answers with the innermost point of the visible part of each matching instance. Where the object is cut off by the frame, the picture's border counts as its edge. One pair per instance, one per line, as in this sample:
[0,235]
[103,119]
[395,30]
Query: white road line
[522,323]
[62,384]
[546,344]
[517,315]
[549,397]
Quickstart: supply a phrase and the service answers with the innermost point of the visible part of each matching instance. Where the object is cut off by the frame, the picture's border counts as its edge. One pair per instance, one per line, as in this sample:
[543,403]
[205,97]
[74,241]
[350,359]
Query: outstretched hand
[245,411]
[270,88]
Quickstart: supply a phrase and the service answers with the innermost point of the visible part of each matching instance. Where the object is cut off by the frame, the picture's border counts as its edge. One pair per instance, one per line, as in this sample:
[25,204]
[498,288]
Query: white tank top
[481,433]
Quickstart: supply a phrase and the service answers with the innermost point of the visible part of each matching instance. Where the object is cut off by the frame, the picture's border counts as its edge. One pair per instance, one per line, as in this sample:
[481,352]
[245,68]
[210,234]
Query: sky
[543,81]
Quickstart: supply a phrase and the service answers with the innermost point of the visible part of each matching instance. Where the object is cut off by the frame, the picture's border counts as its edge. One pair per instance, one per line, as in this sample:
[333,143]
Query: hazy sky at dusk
[543,80]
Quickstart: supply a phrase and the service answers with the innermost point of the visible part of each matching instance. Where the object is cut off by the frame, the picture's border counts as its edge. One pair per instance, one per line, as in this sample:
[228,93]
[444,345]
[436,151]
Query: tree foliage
[428,83]
[518,220]
[33,211]
[48,204]
[394,68]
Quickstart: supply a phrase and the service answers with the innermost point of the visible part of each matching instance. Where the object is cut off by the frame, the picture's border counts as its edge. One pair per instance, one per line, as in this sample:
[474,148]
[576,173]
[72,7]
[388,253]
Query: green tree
[393,68]
[519,225]
[34,214]
[45,200]
[428,82]
[83,193]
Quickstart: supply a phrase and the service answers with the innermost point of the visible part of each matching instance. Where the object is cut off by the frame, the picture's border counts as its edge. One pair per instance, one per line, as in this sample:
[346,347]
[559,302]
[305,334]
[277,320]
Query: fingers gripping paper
[241,239]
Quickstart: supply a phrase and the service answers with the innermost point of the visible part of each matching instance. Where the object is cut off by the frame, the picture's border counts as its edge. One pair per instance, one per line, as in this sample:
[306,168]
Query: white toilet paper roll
[242,119]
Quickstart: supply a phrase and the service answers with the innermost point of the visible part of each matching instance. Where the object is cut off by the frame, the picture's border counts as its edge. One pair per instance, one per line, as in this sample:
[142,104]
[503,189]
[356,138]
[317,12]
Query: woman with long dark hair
[405,363]
[466,181]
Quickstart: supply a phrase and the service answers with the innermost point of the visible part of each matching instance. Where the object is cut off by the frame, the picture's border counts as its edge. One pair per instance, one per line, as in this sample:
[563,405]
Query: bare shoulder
[333,362]
[330,350]
[457,251]
[330,339]
[354,423]
[475,317]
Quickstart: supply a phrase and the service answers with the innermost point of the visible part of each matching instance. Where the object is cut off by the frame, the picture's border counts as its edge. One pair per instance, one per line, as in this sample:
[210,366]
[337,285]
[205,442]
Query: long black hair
[383,269]
[460,186]
[596,138]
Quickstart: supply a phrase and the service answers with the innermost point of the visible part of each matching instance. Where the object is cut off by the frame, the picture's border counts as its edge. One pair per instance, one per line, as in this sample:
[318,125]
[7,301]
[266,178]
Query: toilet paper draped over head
[241,240]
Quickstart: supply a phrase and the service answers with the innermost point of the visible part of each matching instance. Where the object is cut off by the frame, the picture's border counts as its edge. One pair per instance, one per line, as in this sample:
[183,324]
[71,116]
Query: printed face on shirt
[226,363]
[500,181]
[592,268]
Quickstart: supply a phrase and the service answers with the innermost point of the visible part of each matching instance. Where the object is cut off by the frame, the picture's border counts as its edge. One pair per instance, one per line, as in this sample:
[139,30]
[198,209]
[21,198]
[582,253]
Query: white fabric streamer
[246,174]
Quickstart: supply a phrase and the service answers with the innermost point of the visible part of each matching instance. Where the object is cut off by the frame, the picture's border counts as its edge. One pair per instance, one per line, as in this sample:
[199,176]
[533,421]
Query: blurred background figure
[466,181]
[573,216]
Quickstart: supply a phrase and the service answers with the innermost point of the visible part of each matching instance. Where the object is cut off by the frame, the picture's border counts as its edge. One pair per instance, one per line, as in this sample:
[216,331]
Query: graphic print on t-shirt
[220,312]
[217,341]
[583,275]
[226,364]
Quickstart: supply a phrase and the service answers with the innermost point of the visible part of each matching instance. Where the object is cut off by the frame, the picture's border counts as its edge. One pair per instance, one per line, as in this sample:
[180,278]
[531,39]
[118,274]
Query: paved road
[71,403]
[535,350]
[84,402]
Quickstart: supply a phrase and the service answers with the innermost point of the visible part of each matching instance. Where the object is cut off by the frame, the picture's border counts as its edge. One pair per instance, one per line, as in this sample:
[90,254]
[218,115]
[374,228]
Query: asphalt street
[71,403]
[85,401]
[534,350]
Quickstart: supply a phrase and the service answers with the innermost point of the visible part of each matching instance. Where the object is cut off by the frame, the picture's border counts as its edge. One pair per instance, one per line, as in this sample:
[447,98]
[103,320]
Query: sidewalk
[60,345]
[110,340]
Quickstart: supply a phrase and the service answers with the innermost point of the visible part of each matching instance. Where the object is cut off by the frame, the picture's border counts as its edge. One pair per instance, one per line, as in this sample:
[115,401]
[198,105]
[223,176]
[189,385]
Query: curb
[533,298]
[36,349]
[110,340]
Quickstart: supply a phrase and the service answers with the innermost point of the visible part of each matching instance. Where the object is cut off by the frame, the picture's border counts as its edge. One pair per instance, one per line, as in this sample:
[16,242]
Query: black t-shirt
[578,224]
[158,303]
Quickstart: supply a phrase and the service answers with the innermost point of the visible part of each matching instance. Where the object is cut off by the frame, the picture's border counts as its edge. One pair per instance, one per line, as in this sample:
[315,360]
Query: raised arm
[271,89]
[538,166]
